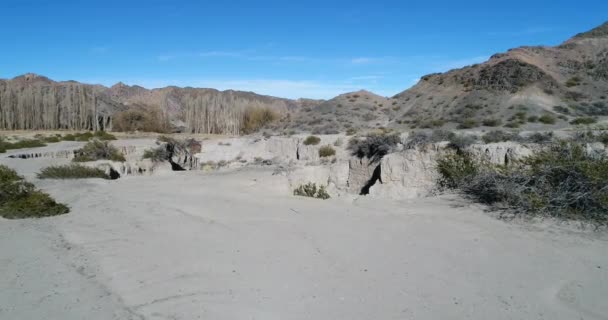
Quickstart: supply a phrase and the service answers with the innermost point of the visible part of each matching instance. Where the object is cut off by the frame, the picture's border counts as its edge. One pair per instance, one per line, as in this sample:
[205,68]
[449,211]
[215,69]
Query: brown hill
[517,87]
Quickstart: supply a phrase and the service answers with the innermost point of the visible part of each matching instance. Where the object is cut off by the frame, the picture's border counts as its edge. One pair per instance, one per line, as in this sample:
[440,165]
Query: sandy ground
[237,245]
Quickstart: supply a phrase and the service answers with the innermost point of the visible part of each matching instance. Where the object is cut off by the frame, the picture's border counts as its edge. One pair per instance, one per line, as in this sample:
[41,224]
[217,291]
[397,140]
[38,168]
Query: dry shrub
[312,191]
[256,118]
[373,146]
[563,180]
[98,150]
[139,119]
[326,151]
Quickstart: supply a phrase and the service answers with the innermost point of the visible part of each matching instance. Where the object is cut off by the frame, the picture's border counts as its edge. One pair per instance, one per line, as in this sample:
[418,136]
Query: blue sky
[314,49]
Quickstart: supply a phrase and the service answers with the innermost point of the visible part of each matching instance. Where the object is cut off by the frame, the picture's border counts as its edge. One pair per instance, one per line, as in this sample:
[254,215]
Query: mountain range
[530,87]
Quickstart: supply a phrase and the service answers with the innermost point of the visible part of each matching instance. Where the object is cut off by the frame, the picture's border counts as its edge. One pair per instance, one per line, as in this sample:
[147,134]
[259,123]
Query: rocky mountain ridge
[530,87]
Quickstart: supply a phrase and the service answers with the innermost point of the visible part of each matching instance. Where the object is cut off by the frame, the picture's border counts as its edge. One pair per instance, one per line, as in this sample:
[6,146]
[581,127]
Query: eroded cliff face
[408,173]
[404,174]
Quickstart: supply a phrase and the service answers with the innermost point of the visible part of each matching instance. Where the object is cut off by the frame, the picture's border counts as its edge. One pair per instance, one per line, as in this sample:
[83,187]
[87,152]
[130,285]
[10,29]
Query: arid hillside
[524,87]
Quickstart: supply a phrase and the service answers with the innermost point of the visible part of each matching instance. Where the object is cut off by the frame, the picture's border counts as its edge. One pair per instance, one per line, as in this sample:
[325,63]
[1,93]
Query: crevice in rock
[114,174]
[175,166]
[376,176]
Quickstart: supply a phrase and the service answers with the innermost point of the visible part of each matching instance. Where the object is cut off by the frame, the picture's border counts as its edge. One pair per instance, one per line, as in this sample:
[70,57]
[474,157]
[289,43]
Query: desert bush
[88,135]
[583,121]
[547,119]
[562,180]
[455,169]
[326,151]
[22,144]
[561,109]
[537,137]
[590,137]
[373,146]
[461,142]
[492,122]
[139,119]
[72,171]
[312,141]
[467,124]
[167,147]
[255,118]
[422,138]
[573,82]
[310,190]
[157,154]
[19,199]
[351,131]
[98,150]
[533,119]
[498,136]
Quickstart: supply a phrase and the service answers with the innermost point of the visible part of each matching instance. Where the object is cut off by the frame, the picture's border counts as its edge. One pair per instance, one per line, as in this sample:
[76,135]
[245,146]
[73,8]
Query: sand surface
[237,245]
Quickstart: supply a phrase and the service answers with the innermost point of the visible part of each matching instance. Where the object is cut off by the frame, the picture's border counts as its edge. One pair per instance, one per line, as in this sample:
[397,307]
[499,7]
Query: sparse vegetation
[19,199]
[137,119]
[373,146]
[312,141]
[98,150]
[563,180]
[547,119]
[492,122]
[573,82]
[498,136]
[256,118]
[28,143]
[326,151]
[583,121]
[310,190]
[468,124]
[72,171]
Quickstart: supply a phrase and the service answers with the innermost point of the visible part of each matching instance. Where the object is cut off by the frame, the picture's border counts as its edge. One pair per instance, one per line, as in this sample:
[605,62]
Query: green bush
[583,121]
[310,190]
[28,143]
[98,150]
[547,119]
[72,171]
[573,82]
[467,124]
[326,151]
[19,199]
[563,180]
[492,122]
[312,140]
[533,119]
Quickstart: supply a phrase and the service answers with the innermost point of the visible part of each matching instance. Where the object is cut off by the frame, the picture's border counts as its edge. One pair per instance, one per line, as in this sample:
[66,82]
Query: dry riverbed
[238,245]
